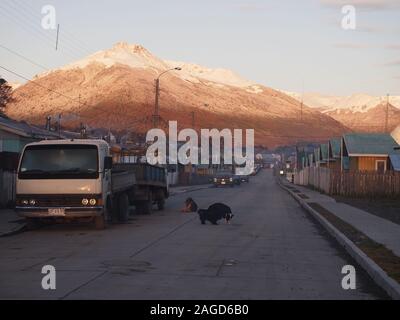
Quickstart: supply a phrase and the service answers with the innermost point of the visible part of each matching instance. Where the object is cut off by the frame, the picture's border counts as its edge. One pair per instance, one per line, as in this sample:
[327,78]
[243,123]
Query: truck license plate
[57,212]
[223,182]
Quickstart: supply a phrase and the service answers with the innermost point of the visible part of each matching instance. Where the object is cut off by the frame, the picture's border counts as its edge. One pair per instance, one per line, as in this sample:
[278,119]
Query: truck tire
[147,207]
[161,204]
[123,207]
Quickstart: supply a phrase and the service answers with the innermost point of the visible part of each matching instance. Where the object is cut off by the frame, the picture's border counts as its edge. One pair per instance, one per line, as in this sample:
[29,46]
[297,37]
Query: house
[394,162]
[14,136]
[334,154]
[367,151]
[321,155]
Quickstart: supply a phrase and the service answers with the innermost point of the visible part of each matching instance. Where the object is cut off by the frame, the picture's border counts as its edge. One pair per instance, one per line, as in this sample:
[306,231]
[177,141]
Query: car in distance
[224,179]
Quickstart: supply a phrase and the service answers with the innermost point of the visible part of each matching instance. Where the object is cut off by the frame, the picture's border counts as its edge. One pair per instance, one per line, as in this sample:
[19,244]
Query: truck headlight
[25,202]
[85,201]
[92,202]
[215,179]
[32,202]
[230,179]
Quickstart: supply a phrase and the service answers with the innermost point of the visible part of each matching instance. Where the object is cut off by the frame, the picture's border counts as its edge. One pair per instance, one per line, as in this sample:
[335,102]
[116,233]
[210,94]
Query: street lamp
[156,115]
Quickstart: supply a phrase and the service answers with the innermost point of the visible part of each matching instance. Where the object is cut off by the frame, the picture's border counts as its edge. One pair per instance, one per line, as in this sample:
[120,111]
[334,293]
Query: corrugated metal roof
[395,160]
[24,129]
[369,144]
[335,147]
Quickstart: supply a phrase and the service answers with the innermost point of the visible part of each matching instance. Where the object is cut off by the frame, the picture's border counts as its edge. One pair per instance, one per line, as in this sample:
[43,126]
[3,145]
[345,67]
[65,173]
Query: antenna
[387,115]
[58,31]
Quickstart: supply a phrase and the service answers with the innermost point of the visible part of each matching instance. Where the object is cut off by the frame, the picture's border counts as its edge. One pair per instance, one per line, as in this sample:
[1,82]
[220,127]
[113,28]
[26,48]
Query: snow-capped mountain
[114,89]
[359,102]
[396,134]
[360,112]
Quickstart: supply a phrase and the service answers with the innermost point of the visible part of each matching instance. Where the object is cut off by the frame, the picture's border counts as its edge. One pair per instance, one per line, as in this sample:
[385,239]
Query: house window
[380,166]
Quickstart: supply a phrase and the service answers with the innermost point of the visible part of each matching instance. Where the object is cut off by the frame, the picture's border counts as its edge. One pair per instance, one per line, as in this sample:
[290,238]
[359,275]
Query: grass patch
[382,256]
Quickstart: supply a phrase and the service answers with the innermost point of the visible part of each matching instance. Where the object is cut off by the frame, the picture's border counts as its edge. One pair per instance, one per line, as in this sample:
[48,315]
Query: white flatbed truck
[76,179]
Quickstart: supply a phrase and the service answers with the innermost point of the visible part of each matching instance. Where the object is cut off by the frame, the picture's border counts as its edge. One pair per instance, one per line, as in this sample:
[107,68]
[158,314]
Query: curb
[13,231]
[378,275]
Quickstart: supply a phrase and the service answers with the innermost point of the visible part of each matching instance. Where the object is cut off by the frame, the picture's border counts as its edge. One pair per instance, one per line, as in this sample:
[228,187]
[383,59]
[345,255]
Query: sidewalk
[378,229]
[10,222]
[183,189]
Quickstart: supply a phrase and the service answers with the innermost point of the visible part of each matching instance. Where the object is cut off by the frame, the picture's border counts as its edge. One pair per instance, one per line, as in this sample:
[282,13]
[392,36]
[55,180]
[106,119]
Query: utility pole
[156,115]
[156,105]
[59,125]
[387,115]
[301,110]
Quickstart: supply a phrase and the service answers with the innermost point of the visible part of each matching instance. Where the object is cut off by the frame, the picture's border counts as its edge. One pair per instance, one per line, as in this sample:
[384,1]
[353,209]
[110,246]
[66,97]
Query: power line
[69,36]
[29,15]
[33,29]
[23,57]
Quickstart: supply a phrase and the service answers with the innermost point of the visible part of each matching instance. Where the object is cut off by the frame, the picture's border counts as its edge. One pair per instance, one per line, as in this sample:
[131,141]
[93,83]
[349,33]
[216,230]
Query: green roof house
[367,151]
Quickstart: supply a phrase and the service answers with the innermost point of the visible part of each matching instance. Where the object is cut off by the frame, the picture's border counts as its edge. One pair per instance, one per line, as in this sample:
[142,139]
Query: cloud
[363,4]
[350,45]
[392,63]
[393,46]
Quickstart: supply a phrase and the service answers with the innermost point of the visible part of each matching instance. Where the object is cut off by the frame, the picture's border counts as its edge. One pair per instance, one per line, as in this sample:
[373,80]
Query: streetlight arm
[172,69]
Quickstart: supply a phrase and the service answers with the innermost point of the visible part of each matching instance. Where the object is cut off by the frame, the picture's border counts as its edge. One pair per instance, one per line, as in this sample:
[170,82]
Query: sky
[293,45]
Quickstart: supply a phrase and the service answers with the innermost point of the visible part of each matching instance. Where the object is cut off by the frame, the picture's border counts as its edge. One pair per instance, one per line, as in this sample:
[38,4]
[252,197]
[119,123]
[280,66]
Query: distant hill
[115,89]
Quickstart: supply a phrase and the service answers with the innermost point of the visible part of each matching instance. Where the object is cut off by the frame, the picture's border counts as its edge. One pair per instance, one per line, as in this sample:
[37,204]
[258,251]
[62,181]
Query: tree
[5,94]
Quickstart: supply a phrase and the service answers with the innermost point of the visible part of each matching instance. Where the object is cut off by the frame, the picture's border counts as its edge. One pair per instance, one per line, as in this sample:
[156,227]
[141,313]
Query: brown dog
[190,206]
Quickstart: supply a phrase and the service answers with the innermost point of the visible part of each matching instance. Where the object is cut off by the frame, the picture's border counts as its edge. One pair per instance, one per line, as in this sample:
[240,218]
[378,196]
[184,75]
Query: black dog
[215,212]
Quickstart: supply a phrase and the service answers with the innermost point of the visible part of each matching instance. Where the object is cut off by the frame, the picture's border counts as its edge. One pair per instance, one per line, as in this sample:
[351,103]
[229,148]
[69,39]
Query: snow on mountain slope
[396,134]
[355,103]
[221,76]
[136,56]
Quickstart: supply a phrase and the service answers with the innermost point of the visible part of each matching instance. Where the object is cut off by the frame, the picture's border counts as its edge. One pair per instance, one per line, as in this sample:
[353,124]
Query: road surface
[272,250]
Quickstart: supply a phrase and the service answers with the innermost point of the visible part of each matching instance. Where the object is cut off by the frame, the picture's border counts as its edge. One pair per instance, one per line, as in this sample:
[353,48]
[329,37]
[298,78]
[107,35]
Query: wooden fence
[350,184]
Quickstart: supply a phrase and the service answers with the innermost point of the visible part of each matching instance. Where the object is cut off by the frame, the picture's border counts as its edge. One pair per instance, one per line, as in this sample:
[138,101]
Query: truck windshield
[59,162]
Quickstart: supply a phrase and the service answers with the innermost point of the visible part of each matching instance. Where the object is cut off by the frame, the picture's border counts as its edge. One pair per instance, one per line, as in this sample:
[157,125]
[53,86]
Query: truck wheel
[100,222]
[123,206]
[147,207]
[161,204]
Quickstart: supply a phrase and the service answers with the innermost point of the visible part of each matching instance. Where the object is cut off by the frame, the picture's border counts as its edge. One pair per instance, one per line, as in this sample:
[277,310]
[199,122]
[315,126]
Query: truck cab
[64,179]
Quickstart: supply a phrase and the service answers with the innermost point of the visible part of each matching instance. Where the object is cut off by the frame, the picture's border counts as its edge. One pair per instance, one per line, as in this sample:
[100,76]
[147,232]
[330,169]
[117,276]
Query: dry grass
[382,256]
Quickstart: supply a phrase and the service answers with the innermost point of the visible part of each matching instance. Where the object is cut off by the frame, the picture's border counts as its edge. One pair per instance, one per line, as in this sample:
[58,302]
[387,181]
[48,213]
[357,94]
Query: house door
[380,166]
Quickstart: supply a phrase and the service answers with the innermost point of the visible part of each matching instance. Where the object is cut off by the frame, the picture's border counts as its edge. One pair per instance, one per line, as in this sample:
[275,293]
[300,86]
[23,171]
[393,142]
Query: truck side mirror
[108,162]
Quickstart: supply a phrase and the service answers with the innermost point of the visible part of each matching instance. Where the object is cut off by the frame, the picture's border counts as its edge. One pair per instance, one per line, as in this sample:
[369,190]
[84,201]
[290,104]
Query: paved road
[272,250]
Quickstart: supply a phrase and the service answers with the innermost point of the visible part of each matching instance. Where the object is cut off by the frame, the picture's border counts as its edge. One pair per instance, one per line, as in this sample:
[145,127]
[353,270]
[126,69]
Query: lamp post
[156,116]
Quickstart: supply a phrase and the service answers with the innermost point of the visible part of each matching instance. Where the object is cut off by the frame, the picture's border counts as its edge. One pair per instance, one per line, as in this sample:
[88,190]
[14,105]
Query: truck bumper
[43,212]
